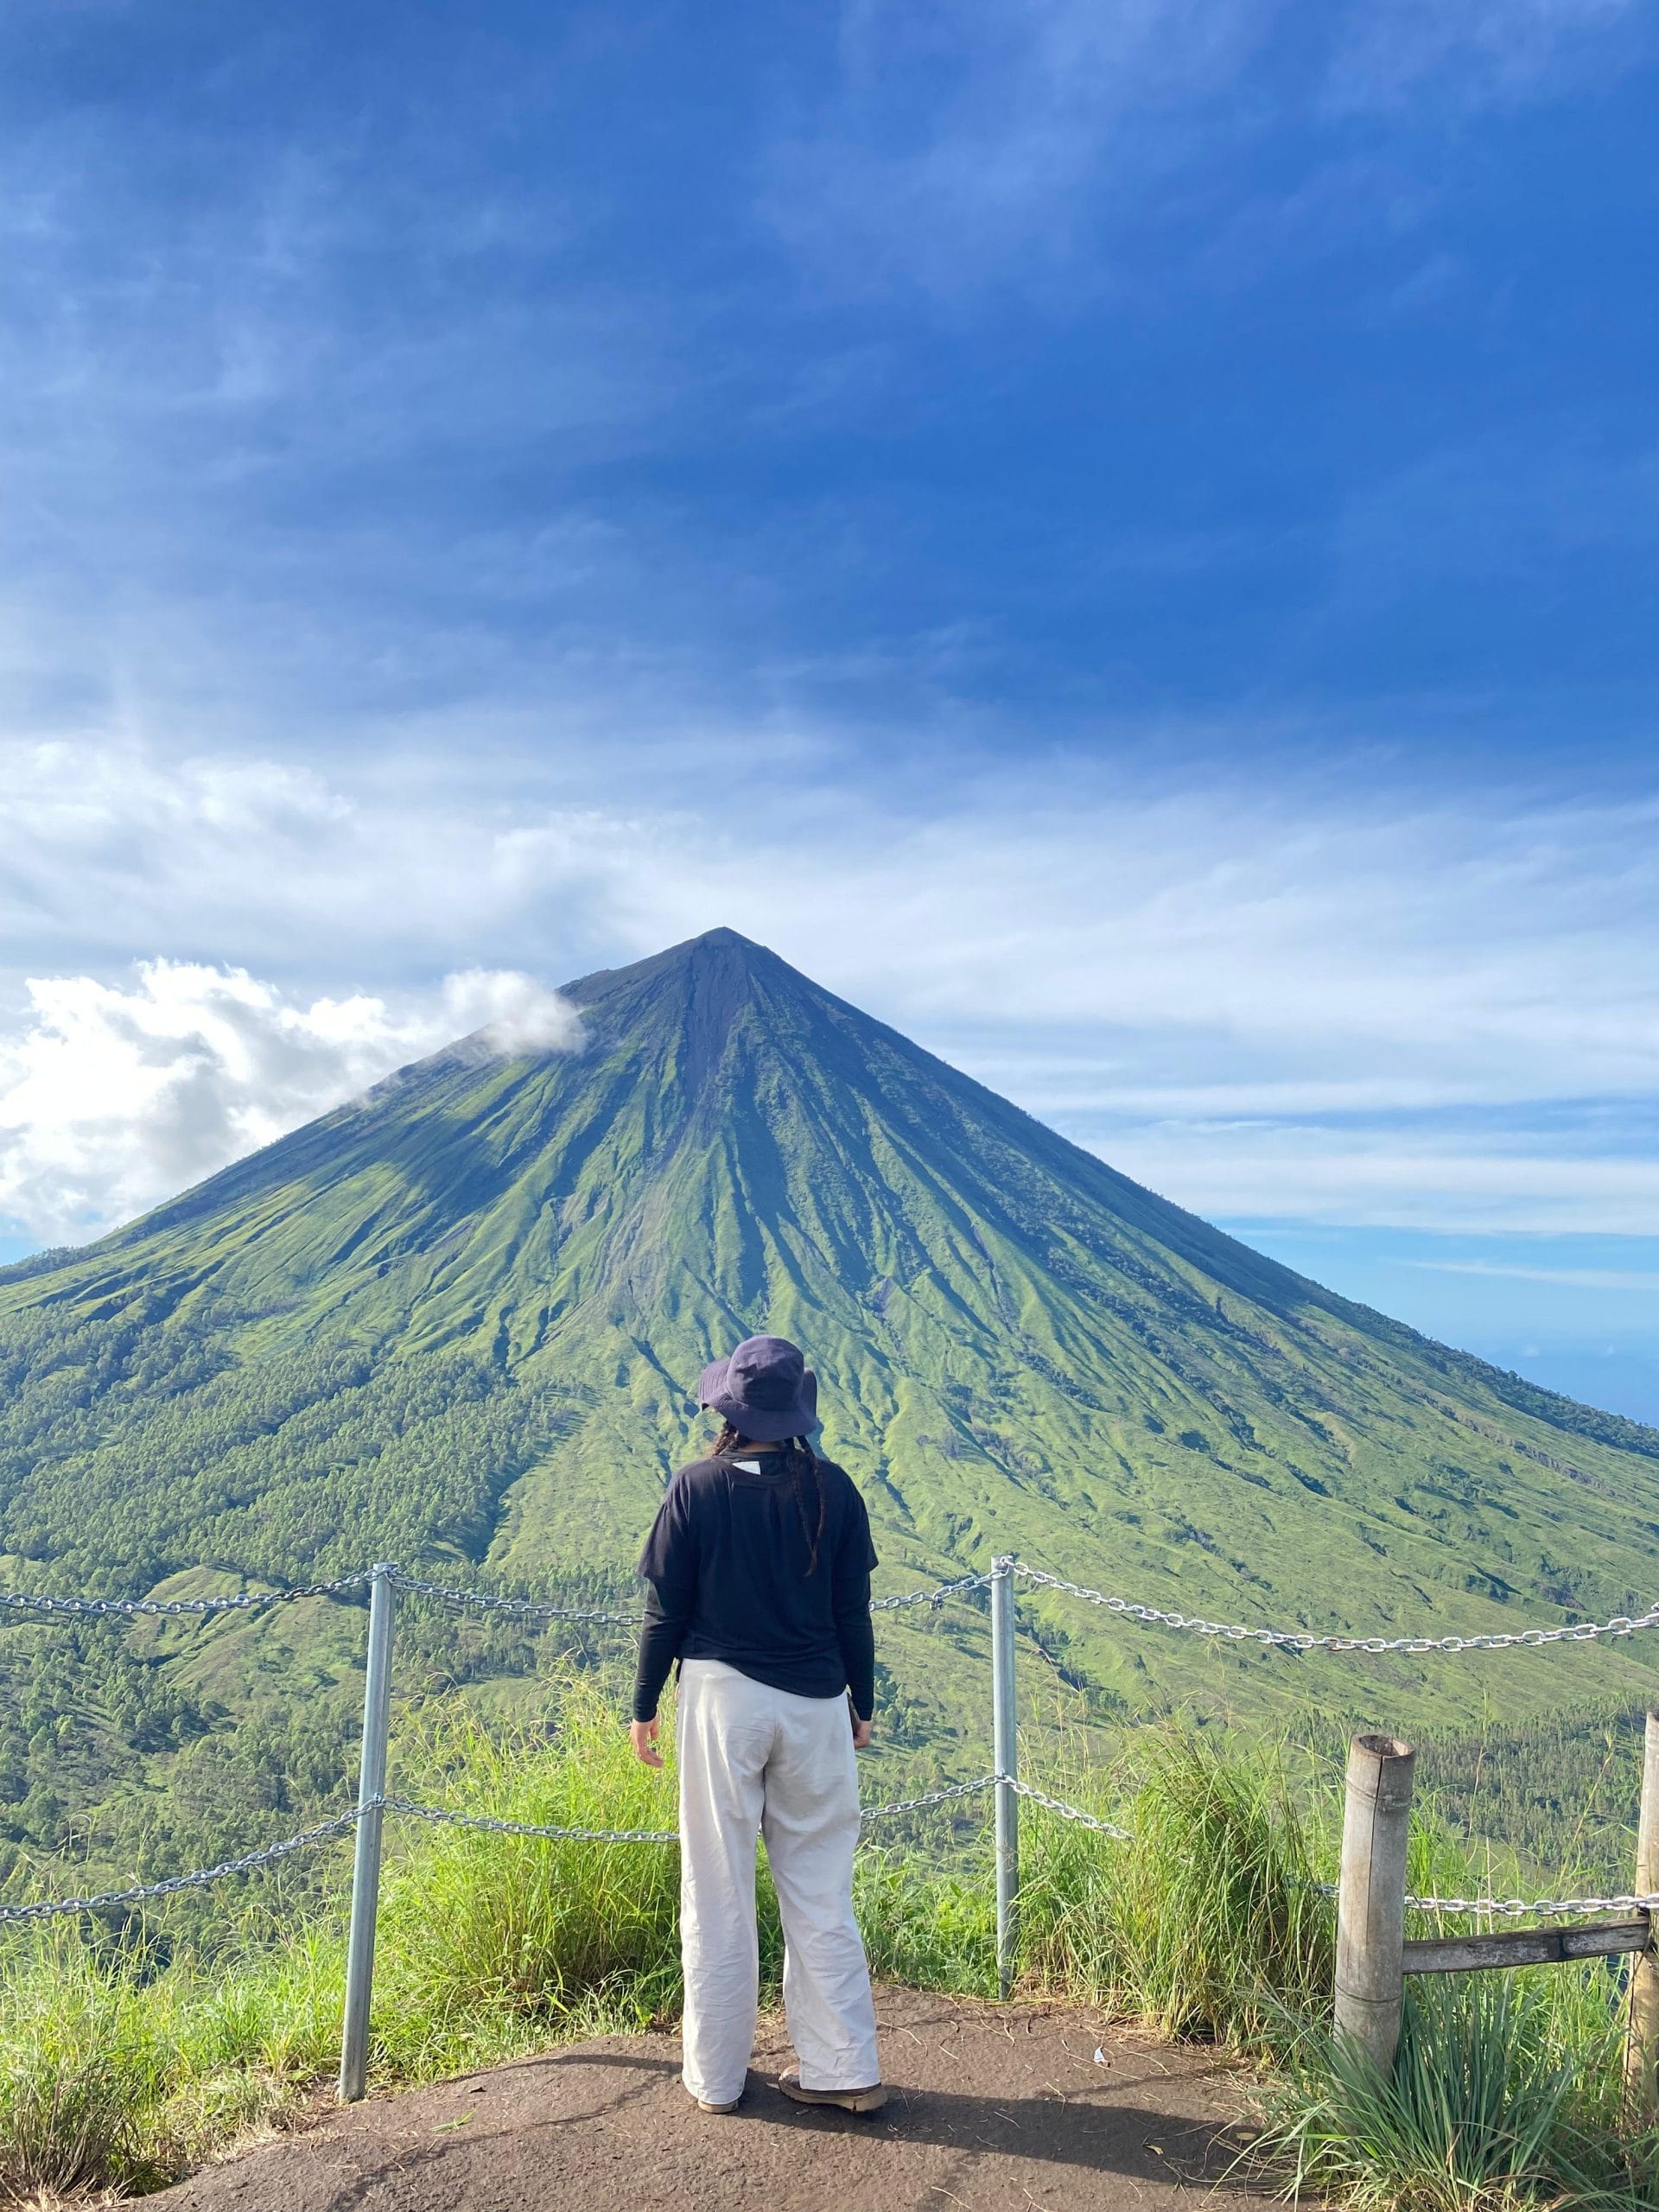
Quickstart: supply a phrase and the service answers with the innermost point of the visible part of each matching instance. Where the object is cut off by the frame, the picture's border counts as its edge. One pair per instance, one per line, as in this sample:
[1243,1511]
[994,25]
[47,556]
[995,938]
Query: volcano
[456,1323]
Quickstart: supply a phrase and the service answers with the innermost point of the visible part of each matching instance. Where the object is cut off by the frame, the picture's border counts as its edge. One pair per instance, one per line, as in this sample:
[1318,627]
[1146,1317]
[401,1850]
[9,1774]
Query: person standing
[759,1567]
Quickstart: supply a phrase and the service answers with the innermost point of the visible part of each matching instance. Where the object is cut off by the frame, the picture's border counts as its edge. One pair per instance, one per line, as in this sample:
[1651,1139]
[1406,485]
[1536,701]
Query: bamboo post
[1004,1756]
[1370,1896]
[1641,2046]
[365,1872]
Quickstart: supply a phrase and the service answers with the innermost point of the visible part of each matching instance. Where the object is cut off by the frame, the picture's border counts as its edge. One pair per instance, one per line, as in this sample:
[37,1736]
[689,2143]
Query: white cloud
[506,1013]
[1146,953]
[1314,1000]
[112,847]
[113,1098]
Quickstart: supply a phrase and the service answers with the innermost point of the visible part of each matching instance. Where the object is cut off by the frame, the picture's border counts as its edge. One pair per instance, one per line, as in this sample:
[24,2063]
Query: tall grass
[121,2068]
[117,2074]
[930,1926]
[85,2071]
[1208,1921]
[491,1943]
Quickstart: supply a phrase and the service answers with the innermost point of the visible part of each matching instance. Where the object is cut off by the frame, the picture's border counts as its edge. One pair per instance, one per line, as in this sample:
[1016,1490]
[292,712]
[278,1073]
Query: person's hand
[862,1731]
[644,1735]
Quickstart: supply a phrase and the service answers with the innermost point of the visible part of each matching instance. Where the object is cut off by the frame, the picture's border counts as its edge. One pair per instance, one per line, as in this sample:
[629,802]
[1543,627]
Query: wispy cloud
[959,144]
[957,149]
[1330,945]
[1401,1179]
[1478,52]
[316,419]
[1637,1279]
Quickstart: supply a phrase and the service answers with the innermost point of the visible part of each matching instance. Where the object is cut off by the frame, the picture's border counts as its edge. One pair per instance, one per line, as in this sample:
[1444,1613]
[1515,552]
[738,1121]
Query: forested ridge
[303,1464]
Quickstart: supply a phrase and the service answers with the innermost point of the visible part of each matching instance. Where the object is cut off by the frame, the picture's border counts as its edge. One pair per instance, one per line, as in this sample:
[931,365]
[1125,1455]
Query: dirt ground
[990,2105]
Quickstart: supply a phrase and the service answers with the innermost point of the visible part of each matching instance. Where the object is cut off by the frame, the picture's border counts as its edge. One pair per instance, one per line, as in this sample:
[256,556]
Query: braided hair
[801,1465]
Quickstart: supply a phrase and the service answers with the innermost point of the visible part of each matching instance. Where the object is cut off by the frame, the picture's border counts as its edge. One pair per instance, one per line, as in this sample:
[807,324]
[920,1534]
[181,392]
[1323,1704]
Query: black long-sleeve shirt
[726,1561]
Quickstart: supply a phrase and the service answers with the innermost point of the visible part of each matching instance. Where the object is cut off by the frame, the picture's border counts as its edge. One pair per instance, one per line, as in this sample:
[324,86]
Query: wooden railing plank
[1526,1947]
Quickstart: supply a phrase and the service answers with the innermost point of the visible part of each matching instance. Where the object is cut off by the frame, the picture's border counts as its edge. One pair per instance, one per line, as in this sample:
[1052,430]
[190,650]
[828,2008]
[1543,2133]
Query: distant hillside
[455,1323]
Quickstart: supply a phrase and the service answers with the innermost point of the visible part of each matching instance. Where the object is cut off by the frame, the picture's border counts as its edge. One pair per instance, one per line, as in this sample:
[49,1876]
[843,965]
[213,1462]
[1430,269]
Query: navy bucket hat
[765,1389]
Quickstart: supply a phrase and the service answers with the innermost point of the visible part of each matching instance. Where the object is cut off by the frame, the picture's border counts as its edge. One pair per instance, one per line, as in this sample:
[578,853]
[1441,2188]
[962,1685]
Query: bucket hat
[765,1389]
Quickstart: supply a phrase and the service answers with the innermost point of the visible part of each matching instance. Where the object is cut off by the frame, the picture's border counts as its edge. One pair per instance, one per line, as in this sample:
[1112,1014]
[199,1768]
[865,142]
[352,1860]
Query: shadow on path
[990,2106]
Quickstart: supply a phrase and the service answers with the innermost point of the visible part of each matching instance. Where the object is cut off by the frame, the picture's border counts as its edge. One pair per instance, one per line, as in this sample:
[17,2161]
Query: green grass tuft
[1503,2095]
[1207,1923]
[85,2070]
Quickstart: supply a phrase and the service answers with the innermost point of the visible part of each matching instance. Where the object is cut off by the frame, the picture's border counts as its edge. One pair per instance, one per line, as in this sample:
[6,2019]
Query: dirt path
[990,2106]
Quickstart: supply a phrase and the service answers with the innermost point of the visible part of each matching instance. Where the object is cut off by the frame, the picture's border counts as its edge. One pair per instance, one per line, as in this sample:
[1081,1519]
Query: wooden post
[1371,1895]
[1641,2047]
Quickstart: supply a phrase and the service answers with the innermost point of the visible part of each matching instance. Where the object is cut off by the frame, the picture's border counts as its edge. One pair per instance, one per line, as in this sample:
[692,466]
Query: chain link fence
[530,1609]
[1304,1640]
[244,1601]
[143,1892]
[934,1597]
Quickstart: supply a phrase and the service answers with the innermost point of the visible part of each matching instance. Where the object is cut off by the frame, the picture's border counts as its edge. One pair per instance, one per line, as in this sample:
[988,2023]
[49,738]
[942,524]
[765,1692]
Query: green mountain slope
[454,1322]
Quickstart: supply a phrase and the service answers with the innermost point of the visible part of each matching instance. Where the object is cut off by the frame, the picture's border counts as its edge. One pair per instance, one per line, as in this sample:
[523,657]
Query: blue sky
[1121,537]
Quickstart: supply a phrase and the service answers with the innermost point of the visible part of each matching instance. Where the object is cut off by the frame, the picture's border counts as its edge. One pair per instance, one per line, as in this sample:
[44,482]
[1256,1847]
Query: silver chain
[1517,1907]
[1514,1908]
[531,1609]
[325,1831]
[246,1601]
[933,1797]
[524,1608]
[438,1816]
[1068,1811]
[1300,1640]
[934,1597]
[11,1914]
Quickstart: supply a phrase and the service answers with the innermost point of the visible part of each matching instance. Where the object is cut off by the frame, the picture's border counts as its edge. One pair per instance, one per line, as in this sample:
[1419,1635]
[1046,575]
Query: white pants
[756,1760]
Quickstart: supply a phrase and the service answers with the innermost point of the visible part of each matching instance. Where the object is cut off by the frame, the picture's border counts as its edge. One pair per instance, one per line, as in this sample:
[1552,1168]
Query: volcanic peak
[699,990]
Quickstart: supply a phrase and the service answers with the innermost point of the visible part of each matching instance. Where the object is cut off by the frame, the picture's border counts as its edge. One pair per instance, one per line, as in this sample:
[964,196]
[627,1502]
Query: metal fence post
[1005,1757]
[1642,2051]
[366,1872]
[1371,1896]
